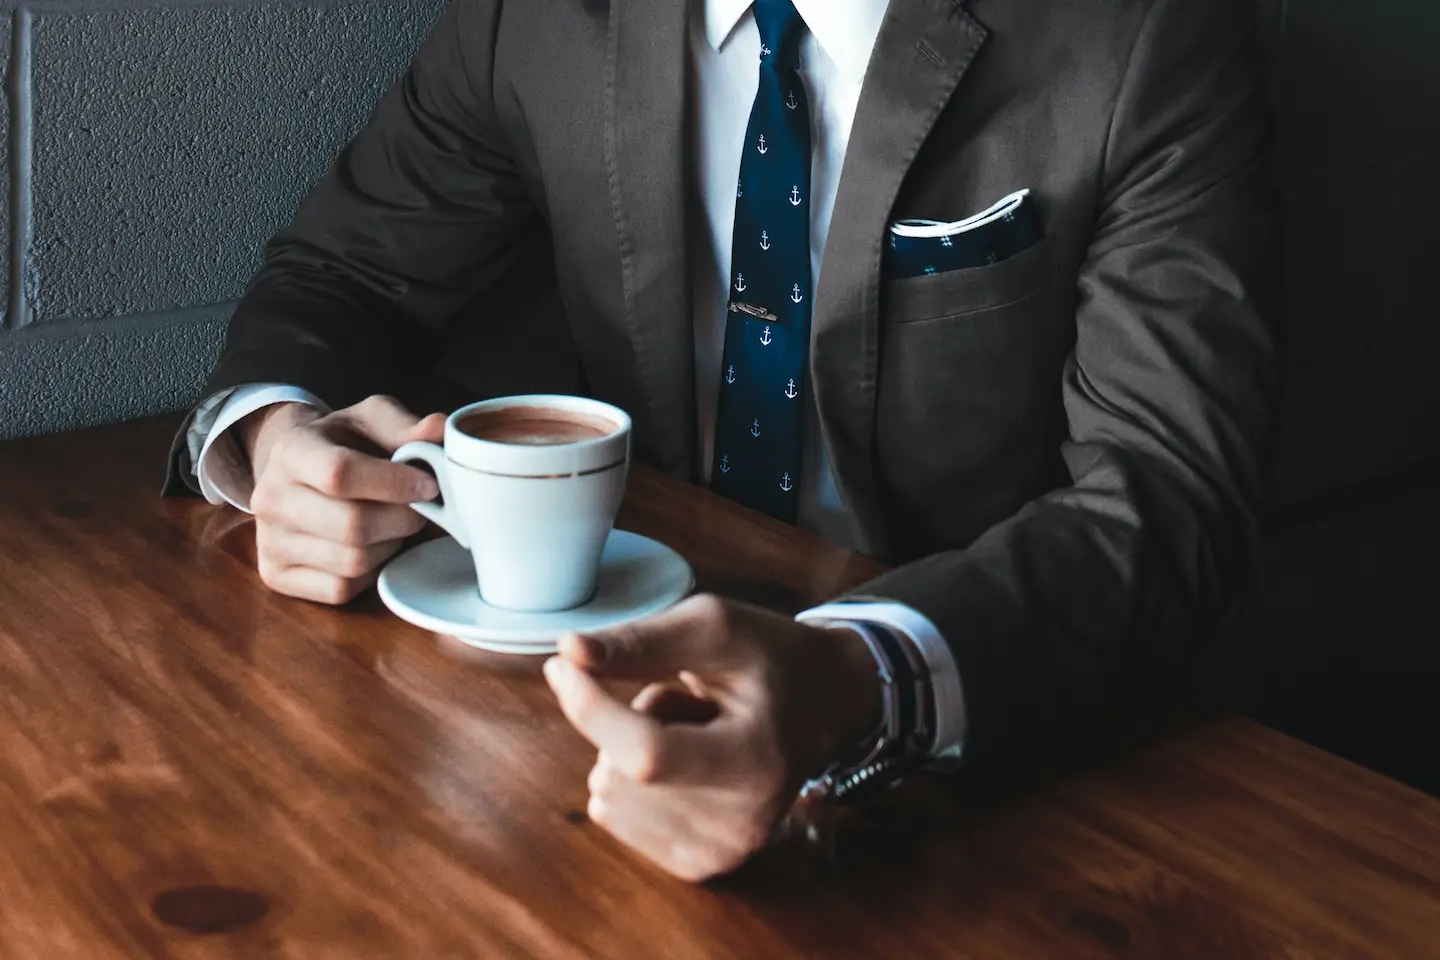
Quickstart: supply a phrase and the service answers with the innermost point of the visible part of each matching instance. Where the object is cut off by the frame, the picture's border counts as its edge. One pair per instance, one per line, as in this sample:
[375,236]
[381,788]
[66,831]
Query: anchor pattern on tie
[759,424]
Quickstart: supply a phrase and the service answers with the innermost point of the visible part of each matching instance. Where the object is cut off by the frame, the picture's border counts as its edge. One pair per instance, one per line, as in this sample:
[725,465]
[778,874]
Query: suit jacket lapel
[923,50]
[645,150]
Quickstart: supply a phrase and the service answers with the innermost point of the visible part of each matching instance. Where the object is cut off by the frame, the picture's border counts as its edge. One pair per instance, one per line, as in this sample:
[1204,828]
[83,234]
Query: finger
[670,703]
[305,583]
[639,746]
[700,634]
[723,817]
[695,685]
[301,509]
[601,775]
[315,458]
[661,826]
[292,549]
[600,718]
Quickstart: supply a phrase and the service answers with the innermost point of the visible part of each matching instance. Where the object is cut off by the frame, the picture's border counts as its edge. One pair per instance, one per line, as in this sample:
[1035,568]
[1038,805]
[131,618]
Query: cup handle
[442,513]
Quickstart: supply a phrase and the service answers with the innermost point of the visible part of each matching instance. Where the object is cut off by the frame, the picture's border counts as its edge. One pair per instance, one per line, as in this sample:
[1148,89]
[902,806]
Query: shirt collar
[846,29]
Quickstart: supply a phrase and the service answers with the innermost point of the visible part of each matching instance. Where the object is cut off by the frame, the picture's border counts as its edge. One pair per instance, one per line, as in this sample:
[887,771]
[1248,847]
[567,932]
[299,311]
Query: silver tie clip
[737,306]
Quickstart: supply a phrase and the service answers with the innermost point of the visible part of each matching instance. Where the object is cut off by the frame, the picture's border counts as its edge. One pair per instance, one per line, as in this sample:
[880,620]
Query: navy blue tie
[760,415]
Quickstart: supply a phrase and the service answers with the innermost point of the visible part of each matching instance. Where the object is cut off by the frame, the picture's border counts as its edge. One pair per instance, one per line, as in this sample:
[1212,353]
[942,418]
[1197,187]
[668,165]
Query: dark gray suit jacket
[1061,451]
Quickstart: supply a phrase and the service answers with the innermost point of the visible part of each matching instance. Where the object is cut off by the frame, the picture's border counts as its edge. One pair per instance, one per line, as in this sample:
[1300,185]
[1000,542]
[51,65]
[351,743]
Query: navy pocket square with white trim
[919,247]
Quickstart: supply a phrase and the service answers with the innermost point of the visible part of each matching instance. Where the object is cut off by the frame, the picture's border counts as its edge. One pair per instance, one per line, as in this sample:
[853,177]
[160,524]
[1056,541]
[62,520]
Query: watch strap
[903,737]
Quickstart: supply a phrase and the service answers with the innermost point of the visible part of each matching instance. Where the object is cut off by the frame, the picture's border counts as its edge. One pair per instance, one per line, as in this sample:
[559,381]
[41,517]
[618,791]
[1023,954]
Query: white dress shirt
[724,57]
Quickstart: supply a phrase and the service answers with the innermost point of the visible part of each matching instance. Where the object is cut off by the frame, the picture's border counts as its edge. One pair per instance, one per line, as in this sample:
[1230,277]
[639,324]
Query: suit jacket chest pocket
[976,290]
[969,404]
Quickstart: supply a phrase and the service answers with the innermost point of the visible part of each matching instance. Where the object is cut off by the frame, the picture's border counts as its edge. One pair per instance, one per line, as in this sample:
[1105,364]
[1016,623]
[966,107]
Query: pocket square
[918,247]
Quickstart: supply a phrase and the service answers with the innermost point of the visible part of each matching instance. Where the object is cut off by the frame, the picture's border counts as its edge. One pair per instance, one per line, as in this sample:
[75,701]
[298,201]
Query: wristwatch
[905,734]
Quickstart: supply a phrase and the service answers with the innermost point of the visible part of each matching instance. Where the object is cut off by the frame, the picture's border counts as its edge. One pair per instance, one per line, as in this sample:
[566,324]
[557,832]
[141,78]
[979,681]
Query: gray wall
[150,149]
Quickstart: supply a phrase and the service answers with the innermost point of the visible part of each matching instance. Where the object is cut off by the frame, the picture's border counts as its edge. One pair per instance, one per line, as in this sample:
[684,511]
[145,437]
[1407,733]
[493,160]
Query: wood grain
[191,767]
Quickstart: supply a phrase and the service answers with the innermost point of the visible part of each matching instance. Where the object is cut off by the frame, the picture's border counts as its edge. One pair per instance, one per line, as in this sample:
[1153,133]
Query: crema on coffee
[534,426]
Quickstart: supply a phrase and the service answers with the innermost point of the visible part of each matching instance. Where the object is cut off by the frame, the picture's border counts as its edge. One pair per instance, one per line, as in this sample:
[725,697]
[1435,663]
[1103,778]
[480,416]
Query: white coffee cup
[533,508]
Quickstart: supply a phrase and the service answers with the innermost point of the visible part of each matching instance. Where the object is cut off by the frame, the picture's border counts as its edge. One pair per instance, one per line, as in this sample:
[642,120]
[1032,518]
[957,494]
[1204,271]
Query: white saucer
[433,586]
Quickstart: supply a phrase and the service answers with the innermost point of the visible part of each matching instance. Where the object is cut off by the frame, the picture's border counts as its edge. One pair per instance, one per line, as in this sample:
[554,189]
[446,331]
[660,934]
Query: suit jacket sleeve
[415,218]
[1105,586]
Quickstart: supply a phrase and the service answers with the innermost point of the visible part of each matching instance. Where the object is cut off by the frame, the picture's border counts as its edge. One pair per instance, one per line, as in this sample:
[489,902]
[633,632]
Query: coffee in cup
[534,426]
[530,485]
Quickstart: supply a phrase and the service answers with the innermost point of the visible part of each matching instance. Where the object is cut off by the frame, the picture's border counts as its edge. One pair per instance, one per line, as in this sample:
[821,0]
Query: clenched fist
[329,505]
[742,706]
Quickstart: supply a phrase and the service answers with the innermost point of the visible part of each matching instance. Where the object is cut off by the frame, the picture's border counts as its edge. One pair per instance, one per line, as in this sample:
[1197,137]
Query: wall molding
[21,155]
[136,323]
[100,6]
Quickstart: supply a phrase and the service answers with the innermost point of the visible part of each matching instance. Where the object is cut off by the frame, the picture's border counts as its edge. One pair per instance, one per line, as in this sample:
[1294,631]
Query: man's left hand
[742,707]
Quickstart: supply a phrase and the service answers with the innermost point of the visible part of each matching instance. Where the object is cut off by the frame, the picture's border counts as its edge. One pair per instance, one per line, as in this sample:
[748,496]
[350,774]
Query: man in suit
[1058,446]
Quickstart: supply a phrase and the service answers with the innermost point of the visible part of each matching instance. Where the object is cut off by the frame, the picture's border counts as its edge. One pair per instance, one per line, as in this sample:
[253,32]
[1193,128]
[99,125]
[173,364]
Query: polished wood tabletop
[192,767]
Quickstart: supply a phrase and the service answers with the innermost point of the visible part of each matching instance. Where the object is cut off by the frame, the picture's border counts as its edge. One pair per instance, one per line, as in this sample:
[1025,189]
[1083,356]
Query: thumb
[384,422]
[700,635]
[431,428]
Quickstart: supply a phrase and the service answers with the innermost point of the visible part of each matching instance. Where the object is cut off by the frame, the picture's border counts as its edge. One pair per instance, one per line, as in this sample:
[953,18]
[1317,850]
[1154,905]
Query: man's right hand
[329,505]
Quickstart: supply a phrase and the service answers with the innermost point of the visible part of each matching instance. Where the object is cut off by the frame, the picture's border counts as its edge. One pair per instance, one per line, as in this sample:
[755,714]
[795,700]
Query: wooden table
[193,767]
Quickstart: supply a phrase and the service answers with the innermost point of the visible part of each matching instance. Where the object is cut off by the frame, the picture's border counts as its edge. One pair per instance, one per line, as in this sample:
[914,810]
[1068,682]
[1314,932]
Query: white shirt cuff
[950,718]
[221,466]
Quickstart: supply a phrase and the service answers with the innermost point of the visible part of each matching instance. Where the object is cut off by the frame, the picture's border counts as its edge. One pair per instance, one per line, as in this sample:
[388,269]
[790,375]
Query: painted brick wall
[150,150]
